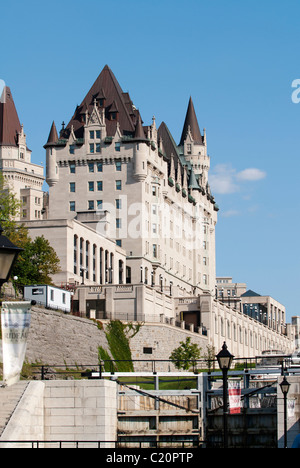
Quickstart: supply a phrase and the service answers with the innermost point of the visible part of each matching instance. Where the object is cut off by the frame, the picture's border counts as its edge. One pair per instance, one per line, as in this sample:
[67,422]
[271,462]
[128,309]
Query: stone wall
[84,410]
[56,338]
[63,410]
[162,339]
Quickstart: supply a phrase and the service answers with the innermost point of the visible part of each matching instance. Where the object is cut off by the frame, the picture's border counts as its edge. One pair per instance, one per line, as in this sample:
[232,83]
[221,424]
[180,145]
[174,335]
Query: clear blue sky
[237,59]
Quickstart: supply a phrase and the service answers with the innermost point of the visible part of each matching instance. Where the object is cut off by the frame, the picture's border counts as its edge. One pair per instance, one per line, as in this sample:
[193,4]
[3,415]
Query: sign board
[235,392]
[15,323]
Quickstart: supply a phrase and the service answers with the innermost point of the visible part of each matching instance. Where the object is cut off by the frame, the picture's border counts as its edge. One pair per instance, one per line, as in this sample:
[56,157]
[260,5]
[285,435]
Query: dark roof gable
[107,88]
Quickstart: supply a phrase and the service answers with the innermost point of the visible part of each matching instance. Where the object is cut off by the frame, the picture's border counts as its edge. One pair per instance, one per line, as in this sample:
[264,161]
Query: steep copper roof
[192,122]
[169,146]
[9,121]
[107,91]
[139,133]
[53,136]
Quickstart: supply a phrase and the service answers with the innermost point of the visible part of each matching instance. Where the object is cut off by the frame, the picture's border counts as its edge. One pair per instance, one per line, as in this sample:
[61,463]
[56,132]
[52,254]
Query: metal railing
[44,372]
[103,444]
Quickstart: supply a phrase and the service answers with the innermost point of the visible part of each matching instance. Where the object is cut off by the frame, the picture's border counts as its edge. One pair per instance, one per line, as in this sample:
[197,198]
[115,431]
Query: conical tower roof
[53,136]
[10,125]
[192,123]
[139,131]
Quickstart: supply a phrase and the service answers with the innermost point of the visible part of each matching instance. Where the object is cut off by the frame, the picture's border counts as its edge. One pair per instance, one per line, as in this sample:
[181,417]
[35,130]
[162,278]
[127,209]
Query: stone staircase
[9,399]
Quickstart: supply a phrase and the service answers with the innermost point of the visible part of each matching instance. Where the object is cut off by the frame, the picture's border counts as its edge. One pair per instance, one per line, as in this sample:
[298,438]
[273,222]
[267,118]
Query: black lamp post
[224,360]
[285,387]
[8,256]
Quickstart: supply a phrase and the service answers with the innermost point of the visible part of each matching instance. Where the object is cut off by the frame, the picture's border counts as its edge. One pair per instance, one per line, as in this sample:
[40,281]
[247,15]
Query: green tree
[36,263]
[185,355]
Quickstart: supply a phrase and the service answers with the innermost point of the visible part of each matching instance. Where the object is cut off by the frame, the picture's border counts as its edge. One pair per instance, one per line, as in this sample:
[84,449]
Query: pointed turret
[52,176]
[139,133]
[10,125]
[53,136]
[140,151]
[191,125]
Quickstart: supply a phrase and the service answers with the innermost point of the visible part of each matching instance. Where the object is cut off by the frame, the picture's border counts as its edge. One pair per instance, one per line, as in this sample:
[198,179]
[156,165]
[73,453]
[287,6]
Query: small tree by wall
[185,355]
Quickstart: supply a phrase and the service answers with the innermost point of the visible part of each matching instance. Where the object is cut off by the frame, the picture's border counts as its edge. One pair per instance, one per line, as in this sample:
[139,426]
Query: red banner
[235,392]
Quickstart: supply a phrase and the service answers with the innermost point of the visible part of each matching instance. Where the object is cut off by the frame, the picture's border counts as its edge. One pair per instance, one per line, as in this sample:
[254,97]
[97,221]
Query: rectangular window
[118,166]
[98,134]
[72,149]
[72,206]
[72,186]
[72,168]
[118,146]
[99,167]
[100,186]
[99,204]
[92,148]
[91,167]
[98,148]
[119,242]
[118,204]
[118,185]
[91,205]
[154,250]
[92,134]
[91,186]
[118,223]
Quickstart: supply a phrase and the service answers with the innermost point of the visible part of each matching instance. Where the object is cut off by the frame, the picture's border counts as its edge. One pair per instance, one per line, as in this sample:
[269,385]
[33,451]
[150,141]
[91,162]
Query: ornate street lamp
[224,360]
[285,387]
[8,256]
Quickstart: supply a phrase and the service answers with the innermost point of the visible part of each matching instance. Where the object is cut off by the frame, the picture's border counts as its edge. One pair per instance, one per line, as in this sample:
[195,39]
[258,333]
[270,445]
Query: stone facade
[149,195]
[23,177]
[64,411]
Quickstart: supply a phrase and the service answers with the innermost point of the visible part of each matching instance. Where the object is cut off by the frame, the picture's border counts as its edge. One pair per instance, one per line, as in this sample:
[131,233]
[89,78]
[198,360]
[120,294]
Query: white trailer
[49,296]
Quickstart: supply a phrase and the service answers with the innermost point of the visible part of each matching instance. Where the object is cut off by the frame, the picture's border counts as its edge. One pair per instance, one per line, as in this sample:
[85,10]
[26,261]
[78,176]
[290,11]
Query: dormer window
[189,148]
[113,111]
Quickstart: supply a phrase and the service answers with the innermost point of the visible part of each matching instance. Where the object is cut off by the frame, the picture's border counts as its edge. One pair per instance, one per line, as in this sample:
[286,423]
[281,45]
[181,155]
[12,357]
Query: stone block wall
[81,410]
[58,339]
[162,339]
[64,410]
